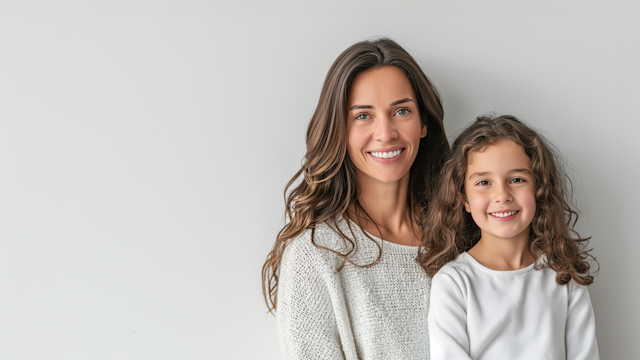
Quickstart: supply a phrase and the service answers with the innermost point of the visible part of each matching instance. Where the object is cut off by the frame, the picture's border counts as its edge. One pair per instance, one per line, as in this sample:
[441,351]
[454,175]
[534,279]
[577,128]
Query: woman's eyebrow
[402,101]
[358,107]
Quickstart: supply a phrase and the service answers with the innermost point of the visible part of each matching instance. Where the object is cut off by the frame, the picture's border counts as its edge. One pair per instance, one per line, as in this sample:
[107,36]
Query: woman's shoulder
[318,244]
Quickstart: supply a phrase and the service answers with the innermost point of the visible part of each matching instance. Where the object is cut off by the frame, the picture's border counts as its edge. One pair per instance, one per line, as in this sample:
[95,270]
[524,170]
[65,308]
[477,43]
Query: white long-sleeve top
[377,312]
[483,314]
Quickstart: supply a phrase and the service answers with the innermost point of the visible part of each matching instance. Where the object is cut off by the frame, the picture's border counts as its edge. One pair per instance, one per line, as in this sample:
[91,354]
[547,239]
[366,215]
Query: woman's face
[383,124]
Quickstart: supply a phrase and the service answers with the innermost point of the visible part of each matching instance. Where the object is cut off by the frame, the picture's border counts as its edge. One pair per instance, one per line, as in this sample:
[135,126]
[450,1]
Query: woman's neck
[503,253]
[386,204]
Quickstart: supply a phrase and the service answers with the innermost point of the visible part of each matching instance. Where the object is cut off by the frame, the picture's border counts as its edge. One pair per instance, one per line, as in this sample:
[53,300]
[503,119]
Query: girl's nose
[385,130]
[502,194]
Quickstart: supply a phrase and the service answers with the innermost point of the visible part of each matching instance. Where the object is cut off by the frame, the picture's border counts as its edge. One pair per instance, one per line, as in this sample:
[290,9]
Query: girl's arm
[580,330]
[307,323]
[447,320]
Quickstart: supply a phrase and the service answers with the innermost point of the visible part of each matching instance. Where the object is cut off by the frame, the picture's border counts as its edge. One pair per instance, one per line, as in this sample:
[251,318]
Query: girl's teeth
[504,214]
[386,155]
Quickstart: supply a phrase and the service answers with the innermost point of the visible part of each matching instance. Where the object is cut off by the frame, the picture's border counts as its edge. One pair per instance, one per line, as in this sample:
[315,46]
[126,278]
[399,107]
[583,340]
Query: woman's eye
[403,112]
[362,117]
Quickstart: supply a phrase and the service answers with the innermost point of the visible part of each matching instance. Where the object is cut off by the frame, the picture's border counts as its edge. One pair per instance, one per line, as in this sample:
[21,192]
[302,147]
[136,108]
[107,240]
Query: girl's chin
[512,234]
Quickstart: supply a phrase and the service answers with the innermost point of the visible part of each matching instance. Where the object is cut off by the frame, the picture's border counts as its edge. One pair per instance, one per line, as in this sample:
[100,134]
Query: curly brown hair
[450,230]
[329,184]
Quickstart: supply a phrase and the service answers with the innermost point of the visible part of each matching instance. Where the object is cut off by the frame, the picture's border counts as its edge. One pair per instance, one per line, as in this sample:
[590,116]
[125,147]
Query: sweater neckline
[385,242]
[475,263]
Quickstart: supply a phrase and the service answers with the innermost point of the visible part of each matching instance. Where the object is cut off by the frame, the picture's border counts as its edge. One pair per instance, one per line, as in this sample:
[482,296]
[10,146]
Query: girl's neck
[386,204]
[503,253]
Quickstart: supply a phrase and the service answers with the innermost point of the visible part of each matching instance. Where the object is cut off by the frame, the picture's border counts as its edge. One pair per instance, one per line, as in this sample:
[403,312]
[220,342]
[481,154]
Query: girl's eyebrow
[478,174]
[485,173]
[521,170]
[357,107]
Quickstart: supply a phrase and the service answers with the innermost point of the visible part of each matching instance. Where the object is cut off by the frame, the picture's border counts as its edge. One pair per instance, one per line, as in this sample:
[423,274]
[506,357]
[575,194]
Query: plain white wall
[145,145]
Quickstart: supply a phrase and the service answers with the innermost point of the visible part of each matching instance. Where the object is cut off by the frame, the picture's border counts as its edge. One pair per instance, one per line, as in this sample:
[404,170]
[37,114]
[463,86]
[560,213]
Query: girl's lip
[506,218]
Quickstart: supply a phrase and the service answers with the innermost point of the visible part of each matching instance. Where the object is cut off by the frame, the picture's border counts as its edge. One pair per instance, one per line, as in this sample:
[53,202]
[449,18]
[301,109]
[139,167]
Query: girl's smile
[504,215]
[500,191]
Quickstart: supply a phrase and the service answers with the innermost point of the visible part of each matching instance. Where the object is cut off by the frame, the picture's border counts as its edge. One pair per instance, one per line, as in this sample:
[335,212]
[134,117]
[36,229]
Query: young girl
[510,271]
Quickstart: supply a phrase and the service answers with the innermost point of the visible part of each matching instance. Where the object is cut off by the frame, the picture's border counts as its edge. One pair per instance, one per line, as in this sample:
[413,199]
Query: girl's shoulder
[457,274]
[466,269]
[456,268]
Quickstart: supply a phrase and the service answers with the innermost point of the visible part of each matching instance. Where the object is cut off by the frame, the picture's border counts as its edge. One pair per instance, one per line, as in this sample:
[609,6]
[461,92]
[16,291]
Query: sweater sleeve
[580,330]
[447,320]
[307,325]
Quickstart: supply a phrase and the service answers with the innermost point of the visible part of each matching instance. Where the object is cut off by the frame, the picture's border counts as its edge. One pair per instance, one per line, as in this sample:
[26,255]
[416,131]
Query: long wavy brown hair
[327,178]
[450,230]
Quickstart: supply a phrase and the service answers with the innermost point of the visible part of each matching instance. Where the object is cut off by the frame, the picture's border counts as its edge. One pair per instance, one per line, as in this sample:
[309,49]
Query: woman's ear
[423,131]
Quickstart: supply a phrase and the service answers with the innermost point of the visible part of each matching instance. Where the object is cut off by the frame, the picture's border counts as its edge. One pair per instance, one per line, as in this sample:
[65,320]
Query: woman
[342,275]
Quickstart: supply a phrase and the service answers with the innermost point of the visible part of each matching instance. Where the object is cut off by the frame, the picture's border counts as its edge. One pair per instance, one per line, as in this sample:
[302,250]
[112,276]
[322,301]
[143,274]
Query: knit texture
[377,312]
[483,314]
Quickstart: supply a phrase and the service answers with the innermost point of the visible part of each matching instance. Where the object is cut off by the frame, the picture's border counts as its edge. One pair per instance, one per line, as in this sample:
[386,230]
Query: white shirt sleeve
[580,330]
[447,320]
[307,324]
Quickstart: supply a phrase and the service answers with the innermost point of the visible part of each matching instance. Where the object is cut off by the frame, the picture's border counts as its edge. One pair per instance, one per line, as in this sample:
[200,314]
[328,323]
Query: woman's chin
[387,178]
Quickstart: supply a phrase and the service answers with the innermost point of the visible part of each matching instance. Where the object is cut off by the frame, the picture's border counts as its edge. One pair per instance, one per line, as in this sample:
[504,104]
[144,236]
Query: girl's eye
[517,180]
[403,111]
[362,117]
[482,182]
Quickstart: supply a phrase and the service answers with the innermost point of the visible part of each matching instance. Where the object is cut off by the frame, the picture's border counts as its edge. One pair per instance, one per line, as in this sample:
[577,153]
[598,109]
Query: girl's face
[383,124]
[500,190]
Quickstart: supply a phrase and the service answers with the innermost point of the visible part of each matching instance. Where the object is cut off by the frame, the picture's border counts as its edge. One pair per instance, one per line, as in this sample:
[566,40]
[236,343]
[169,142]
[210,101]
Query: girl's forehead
[502,156]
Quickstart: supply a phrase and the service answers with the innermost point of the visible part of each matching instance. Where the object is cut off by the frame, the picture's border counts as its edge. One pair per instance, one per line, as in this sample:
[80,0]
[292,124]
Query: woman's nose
[385,130]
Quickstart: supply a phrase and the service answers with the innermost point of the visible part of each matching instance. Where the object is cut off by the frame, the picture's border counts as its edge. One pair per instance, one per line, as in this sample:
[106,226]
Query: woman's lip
[386,161]
[386,150]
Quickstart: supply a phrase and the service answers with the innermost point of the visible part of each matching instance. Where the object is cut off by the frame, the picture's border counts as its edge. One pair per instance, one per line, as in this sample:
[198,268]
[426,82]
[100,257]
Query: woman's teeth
[505,214]
[386,155]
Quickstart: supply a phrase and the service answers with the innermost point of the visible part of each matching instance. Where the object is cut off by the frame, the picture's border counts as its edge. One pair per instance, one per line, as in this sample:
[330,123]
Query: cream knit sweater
[377,312]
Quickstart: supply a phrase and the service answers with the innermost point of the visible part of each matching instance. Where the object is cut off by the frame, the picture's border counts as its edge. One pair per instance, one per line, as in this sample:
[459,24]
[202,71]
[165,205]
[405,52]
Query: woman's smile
[384,127]
[386,156]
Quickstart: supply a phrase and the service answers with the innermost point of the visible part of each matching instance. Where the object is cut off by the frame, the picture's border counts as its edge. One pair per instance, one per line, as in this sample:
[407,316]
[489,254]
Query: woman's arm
[308,293]
[447,320]
[580,329]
